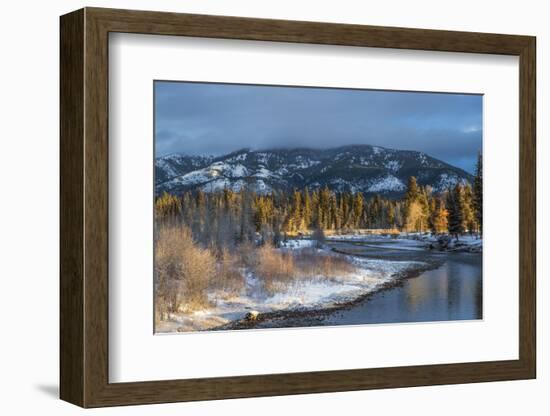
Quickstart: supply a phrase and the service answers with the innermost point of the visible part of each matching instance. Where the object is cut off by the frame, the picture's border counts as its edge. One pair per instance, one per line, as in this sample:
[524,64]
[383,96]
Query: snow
[342,185]
[212,178]
[293,244]
[448,181]
[170,164]
[241,157]
[313,293]
[191,178]
[422,158]
[280,174]
[387,183]
[262,172]
[469,242]
[238,171]
[392,165]
[226,169]
[303,163]
[216,185]
[284,171]
[317,292]
[262,157]
[223,183]
[238,185]
[172,156]
[380,241]
[166,167]
[364,161]
[409,241]
[281,171]
[262,187]
[221,175]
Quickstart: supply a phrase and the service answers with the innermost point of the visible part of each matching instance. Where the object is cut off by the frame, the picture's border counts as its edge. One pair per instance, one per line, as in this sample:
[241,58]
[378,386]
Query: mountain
[357,168]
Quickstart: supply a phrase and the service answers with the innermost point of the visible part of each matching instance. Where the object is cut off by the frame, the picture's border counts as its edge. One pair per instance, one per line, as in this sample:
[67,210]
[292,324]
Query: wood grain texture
[527,208]
[71,208]
[162,23]
[84,204]
[96,219]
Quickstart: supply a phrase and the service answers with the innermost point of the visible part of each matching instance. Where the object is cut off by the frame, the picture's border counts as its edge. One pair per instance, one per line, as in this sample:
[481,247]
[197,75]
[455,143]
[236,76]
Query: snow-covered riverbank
[416,241]
[314,293]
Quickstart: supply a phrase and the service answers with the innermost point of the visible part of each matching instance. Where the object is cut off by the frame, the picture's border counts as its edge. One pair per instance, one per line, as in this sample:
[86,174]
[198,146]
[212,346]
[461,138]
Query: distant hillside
[357,168]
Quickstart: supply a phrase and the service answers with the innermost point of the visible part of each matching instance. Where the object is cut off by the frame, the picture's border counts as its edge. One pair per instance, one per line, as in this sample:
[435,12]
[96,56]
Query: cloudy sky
[203,118]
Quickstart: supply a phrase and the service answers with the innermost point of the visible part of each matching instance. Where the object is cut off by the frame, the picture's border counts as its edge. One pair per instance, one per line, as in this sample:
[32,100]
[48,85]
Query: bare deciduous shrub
[183,271]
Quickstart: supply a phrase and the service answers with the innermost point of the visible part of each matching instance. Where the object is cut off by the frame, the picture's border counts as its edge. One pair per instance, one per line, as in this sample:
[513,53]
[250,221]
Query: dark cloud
[201,118]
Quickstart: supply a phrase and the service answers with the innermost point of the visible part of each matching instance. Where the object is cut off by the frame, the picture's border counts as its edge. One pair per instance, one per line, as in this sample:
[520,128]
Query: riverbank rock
[442,243]
[448,243]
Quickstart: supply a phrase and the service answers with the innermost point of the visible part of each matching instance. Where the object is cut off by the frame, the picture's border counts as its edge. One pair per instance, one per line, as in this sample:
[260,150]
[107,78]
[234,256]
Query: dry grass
[278,269]
[247,253]
[310,263]
[275,268]
[229,276]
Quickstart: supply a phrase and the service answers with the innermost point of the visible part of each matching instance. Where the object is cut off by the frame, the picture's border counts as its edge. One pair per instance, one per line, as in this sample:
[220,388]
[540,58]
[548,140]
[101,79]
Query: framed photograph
[255,207]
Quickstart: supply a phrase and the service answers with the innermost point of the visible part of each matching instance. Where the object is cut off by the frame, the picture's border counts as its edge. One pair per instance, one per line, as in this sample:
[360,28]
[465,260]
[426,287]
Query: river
[450,290]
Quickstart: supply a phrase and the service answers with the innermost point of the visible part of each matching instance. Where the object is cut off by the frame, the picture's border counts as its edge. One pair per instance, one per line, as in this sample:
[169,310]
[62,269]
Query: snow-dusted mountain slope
[358,168]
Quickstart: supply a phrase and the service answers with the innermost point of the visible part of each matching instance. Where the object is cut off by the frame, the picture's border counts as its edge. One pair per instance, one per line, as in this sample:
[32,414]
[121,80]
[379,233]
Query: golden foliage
[183,271]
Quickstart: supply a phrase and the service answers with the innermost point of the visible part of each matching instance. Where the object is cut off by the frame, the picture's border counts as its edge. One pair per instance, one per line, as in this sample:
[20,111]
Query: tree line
[227,218]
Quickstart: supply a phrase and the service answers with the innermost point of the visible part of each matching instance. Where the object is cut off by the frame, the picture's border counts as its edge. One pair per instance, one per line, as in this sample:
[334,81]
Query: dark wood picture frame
[84,207]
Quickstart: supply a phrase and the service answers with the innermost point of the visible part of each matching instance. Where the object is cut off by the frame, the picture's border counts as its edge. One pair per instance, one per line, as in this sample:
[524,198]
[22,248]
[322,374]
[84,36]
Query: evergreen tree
[373,214]
[335,213]
[246,228]
[416,207]
[357,209]
[398,210]
[439,217]
[423,221]
[225,219]
[468,211]
[319,224]
[324,204]
[391,215]
[342,210]
[454,207]
[306,212]
[412,190]
[296,219]
[167,207]
[263,208]
[478,192]
[433,215]
[315,211]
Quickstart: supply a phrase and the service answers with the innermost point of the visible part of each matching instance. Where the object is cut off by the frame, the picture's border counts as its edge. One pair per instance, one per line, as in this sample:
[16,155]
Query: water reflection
[453,291]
